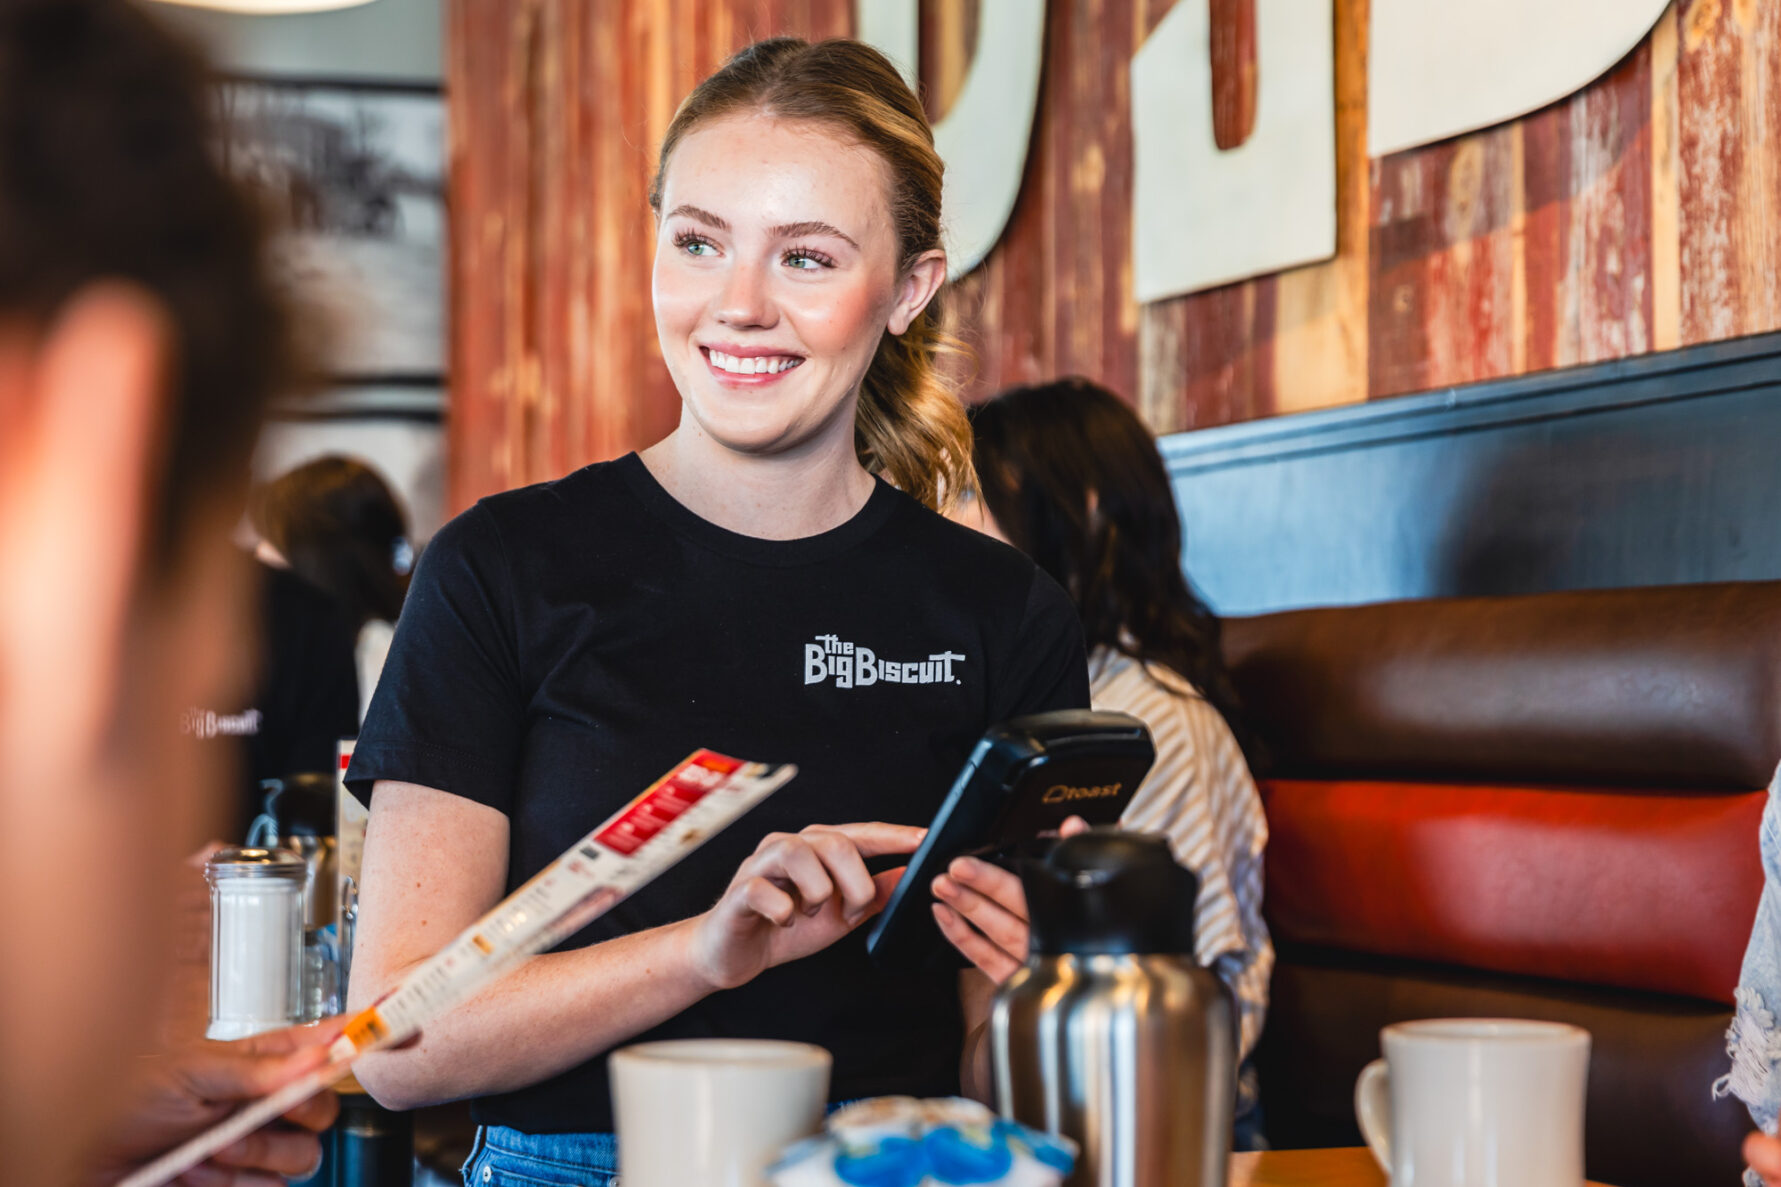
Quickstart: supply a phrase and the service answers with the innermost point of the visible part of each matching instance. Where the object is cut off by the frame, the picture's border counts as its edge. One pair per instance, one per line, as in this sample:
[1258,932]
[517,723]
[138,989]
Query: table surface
[1346,1167]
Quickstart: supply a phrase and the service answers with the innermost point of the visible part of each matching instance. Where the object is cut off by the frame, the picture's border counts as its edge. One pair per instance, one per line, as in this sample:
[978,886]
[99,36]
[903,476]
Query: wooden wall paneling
[1642,213]
[1320,341]
[1441,253]
[476,233]
[1606,246]
[1666,194]
[1729,96]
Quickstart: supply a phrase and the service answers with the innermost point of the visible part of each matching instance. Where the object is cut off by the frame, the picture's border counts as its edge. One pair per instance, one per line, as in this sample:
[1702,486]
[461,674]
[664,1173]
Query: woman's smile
[748,366]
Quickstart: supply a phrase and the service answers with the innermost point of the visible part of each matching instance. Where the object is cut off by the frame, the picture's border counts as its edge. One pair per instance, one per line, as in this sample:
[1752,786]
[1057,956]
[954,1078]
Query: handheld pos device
[1023,780]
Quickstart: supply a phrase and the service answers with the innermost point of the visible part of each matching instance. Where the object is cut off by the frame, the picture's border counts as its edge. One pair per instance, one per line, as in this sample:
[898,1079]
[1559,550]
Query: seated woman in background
[1072,477]
[334,522]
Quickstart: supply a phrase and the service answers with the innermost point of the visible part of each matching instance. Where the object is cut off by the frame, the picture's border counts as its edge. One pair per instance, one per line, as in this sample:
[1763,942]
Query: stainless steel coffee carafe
[1112,1035]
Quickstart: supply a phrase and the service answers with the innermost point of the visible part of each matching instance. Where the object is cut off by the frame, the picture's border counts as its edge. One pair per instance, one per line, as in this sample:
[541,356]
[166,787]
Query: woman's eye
[695,245]
[807,261]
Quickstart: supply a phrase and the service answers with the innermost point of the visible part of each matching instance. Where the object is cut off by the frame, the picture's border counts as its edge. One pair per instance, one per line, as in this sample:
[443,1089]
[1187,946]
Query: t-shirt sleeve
[1048,667]
[449,711]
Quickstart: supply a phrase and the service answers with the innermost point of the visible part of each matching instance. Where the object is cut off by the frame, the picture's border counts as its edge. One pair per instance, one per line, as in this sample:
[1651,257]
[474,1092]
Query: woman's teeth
[762,365]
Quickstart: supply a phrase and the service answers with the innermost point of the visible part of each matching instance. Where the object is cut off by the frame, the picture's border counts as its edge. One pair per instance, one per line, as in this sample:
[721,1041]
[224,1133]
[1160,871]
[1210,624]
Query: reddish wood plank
[1606,244]
[1730,149]
[1227,343]
[1442,268]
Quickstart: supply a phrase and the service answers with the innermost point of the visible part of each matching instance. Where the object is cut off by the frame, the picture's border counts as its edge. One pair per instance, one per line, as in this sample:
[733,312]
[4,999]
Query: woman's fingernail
[943,887]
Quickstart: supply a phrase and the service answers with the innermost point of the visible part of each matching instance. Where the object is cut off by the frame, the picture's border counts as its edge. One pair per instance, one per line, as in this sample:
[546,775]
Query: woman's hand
[798,894]
[185,1092]
[983,911]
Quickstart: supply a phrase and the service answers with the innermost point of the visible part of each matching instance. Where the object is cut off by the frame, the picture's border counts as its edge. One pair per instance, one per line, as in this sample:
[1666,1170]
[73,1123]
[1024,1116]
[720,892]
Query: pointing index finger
[878,839]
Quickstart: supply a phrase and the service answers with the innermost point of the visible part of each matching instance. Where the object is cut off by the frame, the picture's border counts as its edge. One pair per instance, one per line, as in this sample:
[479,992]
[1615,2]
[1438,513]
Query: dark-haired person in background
[305,700]
[335,523]
[1072,477]
[140,339]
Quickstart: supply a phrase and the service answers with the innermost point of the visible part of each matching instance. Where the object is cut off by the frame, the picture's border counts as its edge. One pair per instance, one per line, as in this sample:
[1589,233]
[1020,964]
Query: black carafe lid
[1110,892]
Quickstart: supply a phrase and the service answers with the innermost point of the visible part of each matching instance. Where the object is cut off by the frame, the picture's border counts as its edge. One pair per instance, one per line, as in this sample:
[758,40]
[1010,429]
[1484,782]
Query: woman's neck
[785,497]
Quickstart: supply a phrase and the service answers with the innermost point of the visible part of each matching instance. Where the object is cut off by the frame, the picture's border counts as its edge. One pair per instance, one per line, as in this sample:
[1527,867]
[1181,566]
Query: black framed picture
[357,172]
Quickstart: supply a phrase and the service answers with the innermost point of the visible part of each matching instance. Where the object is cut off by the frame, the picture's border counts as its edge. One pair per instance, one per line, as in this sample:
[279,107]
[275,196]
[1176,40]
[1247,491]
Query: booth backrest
[1671,686]
[1541,806]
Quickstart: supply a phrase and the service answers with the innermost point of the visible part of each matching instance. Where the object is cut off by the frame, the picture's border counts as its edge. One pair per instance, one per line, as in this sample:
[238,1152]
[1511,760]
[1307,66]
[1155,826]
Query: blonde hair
[910,425]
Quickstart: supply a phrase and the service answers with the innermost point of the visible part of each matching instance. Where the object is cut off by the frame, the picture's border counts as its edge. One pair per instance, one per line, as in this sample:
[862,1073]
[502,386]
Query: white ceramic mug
[714,1112]
[1477,1102]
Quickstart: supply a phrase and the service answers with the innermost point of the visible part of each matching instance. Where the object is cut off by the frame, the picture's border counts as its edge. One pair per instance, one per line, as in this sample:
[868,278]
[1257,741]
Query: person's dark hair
[1074,480]
[109,170]
[342,531]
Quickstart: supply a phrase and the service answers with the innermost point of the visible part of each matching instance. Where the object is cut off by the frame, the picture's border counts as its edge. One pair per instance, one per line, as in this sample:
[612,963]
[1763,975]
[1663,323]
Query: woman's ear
[916,289]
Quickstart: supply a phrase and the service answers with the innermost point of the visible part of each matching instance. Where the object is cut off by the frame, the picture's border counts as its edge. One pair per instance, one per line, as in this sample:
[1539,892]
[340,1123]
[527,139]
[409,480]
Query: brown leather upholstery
[1641,1129]
[1661,687]
[1528,870]
[1645,890]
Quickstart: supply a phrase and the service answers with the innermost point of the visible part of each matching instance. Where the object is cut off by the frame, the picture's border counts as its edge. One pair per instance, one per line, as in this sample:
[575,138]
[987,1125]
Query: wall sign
[1438,70]
[1205,216]
[983,138]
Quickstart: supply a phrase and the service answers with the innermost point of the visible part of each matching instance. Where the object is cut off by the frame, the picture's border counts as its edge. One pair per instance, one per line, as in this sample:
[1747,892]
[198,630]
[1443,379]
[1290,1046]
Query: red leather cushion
[1640,889]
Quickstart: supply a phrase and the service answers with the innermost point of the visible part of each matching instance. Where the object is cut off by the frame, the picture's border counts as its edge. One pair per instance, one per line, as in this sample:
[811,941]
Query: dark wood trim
[1654,470]
[1738,364]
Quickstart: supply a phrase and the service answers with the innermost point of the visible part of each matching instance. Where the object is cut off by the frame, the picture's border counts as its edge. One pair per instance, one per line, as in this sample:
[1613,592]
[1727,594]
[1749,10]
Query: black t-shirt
[563,645]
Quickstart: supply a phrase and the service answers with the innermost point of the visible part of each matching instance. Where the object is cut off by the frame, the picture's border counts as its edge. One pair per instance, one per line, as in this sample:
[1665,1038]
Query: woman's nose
[745,301]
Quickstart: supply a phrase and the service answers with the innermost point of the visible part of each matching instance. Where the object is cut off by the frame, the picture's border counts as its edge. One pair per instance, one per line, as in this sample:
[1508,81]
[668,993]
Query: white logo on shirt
[855,666]
[206,723]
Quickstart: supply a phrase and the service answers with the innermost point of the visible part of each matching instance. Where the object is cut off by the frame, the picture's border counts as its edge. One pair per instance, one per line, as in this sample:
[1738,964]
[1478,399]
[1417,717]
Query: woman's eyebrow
[795,230]
[704,216]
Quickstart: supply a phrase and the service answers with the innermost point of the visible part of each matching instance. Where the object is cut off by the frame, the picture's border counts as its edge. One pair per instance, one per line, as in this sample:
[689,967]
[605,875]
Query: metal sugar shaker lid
[239,862]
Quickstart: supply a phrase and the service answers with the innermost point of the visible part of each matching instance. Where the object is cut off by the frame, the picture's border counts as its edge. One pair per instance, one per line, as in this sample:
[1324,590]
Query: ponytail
[910,426]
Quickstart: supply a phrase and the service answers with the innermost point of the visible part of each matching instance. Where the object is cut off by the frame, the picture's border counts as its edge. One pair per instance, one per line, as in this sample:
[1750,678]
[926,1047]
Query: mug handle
[1372,1108]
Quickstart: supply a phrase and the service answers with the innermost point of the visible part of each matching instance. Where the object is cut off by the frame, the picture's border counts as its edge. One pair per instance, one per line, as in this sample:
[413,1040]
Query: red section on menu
[663,803]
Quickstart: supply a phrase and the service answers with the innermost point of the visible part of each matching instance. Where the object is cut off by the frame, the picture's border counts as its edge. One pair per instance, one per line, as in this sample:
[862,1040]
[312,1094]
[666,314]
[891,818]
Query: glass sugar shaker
[256,953]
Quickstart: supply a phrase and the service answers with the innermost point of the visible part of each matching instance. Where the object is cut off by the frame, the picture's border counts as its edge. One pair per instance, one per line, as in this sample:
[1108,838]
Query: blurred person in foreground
[139,341]
[1072,477]
[335,523]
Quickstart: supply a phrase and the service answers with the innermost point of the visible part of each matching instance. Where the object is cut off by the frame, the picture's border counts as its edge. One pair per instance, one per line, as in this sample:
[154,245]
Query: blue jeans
[1754,1041]
[505,1157]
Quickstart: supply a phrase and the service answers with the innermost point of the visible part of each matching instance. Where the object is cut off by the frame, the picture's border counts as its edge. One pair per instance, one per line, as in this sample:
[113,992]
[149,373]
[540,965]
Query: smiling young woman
[564,644]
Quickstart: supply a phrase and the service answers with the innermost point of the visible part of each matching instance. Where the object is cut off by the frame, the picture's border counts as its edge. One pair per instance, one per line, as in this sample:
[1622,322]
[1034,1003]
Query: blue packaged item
[899,1141]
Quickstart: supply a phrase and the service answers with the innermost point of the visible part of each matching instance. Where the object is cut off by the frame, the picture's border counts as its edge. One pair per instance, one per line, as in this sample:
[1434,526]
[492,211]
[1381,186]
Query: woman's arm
[434,863]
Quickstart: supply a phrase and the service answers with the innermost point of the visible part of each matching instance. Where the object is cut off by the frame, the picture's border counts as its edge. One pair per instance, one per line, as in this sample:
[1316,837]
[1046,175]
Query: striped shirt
[1201,797]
